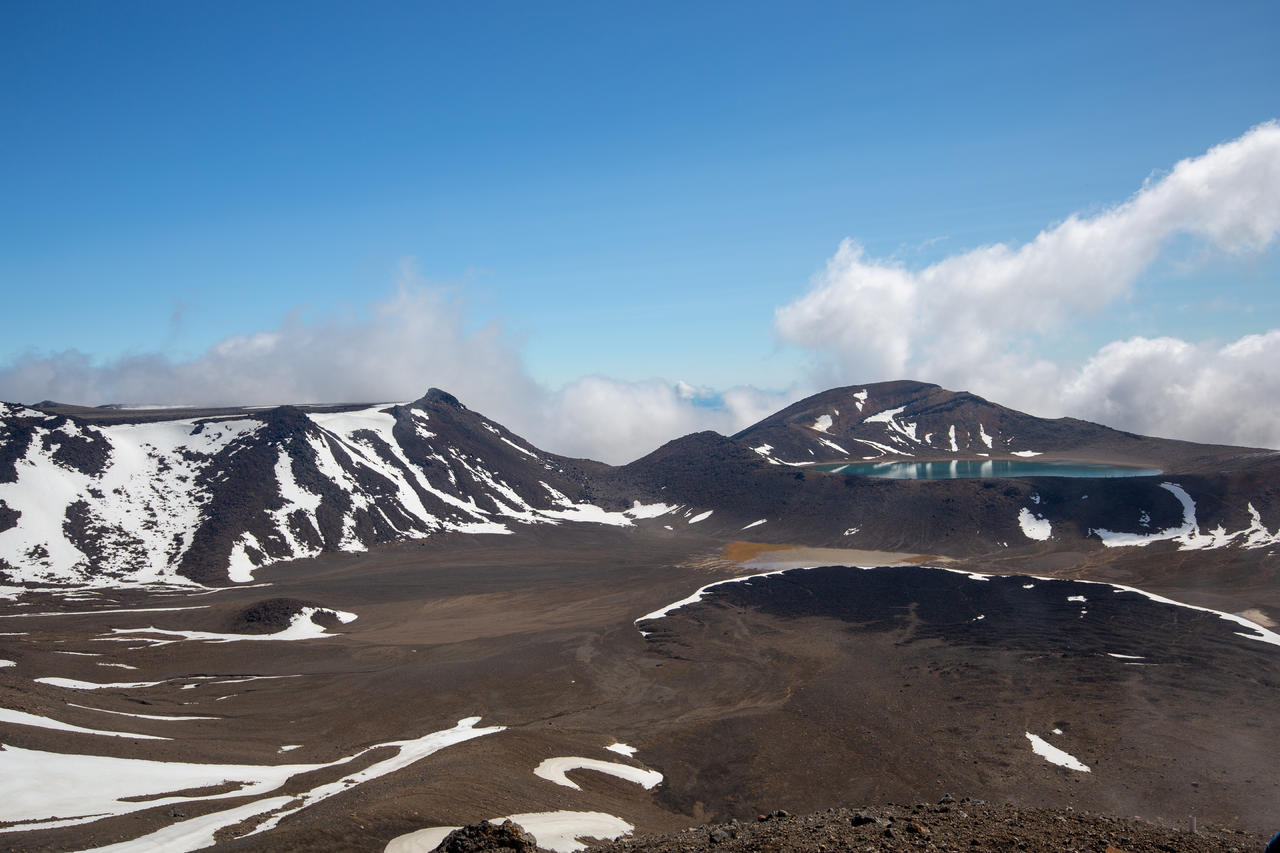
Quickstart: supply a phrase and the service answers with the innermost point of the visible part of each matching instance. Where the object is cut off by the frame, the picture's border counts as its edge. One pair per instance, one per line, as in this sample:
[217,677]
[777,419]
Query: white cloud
[1165,386]
[974,319]
[413,340]
[617,419]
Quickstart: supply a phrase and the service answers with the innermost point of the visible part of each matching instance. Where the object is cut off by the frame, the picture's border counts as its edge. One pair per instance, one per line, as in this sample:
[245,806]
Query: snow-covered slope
[210,499]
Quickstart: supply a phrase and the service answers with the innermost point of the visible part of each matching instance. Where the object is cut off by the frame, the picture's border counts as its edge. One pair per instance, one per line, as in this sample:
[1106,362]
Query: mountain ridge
[212,496]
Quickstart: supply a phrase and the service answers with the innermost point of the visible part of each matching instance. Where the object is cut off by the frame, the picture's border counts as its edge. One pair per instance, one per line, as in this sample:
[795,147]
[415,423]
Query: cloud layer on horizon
[974,319]
[411,341]
[865,319]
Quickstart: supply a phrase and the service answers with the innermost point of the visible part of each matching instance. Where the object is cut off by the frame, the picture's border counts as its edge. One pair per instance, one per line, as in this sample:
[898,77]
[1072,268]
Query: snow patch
[1053,755]
[1033,526]
[702,516]
[81,791]
[755,524]
[139,716]
[554,770]
[558,831]
[1187,533]
[301,627]
[639,511]
[22,718]
[823,423]
[75,684]
[834,446]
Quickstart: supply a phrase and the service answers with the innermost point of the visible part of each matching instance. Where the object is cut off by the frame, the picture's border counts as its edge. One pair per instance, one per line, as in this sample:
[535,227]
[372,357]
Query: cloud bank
[974,320]
[413,340]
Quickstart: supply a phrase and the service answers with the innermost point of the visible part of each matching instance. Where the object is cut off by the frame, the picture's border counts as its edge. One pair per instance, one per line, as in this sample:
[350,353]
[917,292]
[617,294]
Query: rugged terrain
[295,629]
[949,824]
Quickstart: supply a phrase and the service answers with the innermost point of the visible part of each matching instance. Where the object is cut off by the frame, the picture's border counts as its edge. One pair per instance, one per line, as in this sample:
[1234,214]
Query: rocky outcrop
[486,837]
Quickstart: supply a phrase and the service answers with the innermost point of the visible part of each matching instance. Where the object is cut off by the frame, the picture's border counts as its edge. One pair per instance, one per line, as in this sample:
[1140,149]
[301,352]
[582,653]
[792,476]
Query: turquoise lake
[987,468]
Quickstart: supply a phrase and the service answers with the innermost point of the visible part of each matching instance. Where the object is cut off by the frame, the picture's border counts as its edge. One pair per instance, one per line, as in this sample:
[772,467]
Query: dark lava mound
[275,614]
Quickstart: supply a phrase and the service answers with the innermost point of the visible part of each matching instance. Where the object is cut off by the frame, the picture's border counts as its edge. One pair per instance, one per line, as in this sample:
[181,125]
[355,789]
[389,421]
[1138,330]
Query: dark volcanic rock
[965,825]
[486,837]
[268,617]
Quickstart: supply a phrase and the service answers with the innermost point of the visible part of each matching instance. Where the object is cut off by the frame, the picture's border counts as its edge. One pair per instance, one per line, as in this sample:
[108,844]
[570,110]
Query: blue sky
[623,190]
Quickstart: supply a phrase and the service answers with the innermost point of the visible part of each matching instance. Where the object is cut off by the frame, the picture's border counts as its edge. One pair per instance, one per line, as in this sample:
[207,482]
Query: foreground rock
[949,824]
[486,837]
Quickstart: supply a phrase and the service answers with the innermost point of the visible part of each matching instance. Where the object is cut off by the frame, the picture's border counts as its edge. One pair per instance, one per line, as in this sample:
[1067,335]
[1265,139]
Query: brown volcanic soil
[795,691]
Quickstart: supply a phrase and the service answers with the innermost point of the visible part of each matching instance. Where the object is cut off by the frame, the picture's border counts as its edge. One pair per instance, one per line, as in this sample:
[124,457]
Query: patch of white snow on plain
[702,516]
[640,511]
[1053,755]
[982,434]
[73,684]
[1186,533]
[955,448]
[98,612]
[1079,598]
[1126,657]
[859,398]
[22,718]
[698,596]
[823,423]
[4,663]
[302,627]
[558,831]
[621,749]
[755,524]
[60,789]
[198,833]
[764,449]
[140,716]
[289,747]
[1028,586]
[1255,536]
[1027,453]
[554,770]
[1034,527]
